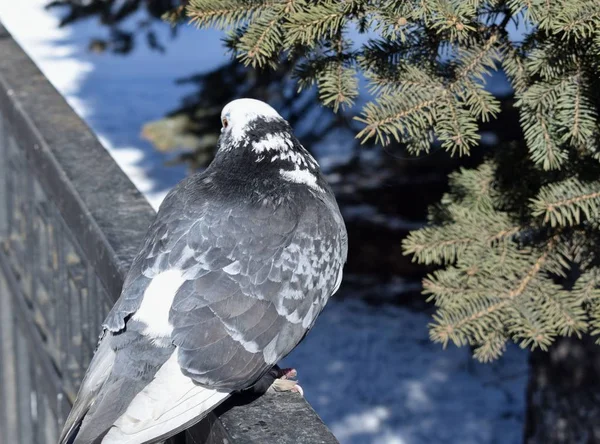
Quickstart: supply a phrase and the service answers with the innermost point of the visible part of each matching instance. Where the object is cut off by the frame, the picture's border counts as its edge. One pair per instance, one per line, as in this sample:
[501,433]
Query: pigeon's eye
[225,122]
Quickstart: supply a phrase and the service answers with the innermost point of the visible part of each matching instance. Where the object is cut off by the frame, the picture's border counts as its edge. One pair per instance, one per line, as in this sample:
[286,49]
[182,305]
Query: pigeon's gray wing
[257,274]
[261,279]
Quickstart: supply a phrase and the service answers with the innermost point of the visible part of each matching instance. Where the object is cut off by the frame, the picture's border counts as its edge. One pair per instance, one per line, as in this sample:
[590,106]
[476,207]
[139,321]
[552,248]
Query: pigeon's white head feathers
[255,126]
[237,114]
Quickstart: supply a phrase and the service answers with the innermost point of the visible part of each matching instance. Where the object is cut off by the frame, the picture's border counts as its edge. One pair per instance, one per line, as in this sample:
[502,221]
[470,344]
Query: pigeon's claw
[285,381]
[286,385]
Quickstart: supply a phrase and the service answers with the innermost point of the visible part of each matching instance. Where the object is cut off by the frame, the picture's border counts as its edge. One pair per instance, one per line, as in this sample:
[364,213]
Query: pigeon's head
[255,136]
[238,115]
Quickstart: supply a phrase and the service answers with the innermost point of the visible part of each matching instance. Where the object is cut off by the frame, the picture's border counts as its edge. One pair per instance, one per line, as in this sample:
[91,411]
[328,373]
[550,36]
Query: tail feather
[172,402]
[136,394]
[98,372]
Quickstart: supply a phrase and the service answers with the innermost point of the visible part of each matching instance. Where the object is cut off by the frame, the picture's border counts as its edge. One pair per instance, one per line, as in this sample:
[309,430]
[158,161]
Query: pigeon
[239,262]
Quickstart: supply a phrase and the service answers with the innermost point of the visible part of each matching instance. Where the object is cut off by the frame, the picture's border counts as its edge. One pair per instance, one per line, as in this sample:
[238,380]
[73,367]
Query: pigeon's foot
[285,381]
[278,380]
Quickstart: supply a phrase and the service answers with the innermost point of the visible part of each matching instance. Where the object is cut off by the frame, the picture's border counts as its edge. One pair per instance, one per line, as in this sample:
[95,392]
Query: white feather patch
[233,268]
[270,143]
[301,176]
[239,113]
[156,303]
[169,401]
[292,156]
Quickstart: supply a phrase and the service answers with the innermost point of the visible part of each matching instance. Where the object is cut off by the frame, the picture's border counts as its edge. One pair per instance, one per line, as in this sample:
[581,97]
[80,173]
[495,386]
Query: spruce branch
[338,84]
[551,61]
[337,80]
[475,61]
[472,189]
[514,66]
[463,325]
[576,112]
[446,244]
[575,19]
[455,127]
[260,41]
[542,140]
[567,314]
[223,14]
[392,19]
[431,245]
[457,19]
[587,291]
[564,203]
[315,22]
[480,103]
[395,115]
[543,96]
[587,287]
[490,347]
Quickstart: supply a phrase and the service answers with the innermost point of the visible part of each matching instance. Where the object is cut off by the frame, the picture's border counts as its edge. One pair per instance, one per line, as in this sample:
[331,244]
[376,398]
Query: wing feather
[265,290]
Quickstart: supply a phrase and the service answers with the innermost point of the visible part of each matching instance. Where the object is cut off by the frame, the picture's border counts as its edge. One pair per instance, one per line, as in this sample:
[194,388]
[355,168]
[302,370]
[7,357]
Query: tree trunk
[564,394]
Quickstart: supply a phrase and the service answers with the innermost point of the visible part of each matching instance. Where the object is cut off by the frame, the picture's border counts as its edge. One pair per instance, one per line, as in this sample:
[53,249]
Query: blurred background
[153,95]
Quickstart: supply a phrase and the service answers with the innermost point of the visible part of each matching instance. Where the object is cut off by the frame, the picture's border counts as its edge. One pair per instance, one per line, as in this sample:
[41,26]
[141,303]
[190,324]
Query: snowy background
[370,371]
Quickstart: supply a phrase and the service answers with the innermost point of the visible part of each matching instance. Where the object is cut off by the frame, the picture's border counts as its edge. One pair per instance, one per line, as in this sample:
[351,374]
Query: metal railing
[70,224]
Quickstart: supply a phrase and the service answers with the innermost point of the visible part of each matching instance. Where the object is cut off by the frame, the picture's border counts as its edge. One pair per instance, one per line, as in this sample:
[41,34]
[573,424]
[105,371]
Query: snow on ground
[370,372]
[379,379]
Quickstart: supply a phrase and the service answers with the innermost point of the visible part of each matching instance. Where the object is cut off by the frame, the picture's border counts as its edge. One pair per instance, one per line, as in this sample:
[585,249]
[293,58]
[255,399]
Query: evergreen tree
[515,239]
